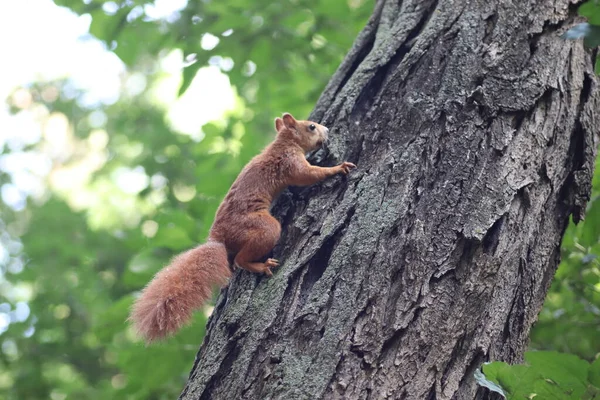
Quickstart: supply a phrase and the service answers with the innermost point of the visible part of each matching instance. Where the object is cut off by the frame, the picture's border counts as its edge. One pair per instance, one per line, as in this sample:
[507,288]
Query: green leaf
[592,39]
[177,217]
[567,370]
[594,374]
[592,393]
[590,10]
[142,267]
[546,375]
[517,381]
[591,231]
[172,237]
[113,319]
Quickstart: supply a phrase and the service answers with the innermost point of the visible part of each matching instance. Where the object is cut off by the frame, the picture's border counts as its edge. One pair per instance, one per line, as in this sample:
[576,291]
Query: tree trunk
[473,127]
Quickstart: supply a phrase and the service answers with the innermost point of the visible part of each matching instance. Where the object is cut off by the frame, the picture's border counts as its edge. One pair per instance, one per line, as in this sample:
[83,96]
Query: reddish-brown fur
[243,229]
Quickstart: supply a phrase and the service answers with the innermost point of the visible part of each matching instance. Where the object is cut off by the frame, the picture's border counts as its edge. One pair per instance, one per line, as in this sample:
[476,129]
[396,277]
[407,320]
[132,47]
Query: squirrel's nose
[326,130]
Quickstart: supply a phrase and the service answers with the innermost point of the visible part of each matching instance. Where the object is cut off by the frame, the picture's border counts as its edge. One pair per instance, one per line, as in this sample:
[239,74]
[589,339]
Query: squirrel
[243,230]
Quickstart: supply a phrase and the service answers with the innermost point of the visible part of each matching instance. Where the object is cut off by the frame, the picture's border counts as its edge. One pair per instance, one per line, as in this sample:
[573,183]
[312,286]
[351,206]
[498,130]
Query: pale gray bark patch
[474,127]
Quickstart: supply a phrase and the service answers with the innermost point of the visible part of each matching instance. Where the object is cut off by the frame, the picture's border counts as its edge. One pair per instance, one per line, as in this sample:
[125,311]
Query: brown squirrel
[243,230]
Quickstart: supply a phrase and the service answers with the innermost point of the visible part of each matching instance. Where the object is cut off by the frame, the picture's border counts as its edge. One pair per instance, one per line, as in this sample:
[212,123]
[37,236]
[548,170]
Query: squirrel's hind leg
[262,234]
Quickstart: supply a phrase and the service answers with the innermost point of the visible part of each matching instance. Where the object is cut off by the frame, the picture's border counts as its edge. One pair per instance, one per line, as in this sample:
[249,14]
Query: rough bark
[473,126]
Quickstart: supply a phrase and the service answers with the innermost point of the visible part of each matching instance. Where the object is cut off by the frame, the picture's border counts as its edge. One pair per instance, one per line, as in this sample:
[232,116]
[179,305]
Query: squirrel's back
[261,180]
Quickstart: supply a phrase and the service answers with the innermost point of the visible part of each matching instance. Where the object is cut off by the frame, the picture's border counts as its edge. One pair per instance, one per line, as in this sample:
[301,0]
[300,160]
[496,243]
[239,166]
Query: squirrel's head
[307,134]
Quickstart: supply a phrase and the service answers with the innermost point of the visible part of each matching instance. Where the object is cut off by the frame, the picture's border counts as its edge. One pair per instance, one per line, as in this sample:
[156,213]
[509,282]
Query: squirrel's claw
[270,263]
[345,167]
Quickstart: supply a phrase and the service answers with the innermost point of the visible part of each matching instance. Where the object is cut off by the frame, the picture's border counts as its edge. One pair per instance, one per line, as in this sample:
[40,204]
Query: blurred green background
[123,124]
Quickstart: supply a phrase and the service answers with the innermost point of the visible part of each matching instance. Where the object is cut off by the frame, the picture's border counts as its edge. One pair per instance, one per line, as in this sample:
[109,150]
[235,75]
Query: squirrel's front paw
[345,167]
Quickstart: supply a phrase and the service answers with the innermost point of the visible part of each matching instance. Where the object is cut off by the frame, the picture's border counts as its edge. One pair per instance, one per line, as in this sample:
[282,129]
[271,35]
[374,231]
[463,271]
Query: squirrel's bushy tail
[169,300]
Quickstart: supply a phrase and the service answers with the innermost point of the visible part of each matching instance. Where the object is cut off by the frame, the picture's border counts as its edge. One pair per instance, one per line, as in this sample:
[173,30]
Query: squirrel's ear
[278,124]
[289,121]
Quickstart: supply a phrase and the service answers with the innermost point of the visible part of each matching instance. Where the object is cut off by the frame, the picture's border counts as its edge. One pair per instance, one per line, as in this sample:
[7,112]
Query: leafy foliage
[80,253]
[546,375]
[570,319]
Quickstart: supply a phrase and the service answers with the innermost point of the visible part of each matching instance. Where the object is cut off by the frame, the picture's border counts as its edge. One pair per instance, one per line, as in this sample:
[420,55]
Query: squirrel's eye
[312,127]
